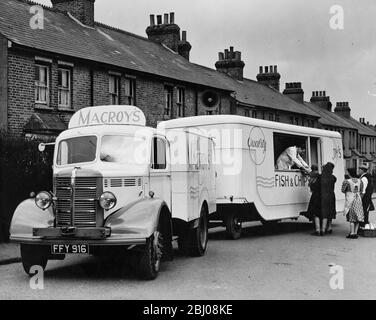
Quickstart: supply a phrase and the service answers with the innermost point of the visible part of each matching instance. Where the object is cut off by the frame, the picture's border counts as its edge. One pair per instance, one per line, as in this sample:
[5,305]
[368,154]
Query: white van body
[246,153]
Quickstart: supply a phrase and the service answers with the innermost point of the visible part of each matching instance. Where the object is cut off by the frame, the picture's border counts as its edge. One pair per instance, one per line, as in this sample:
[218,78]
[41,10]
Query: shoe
[322,233]
[328,231]
[316,233]
[352,236]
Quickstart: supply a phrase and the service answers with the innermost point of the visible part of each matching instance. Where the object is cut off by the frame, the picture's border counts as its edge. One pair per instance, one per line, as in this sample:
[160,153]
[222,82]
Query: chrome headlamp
[107,200]
[43,200]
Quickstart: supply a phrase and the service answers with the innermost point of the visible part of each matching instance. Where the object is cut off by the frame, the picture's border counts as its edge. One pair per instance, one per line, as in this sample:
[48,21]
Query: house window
[254,114]
[42,84]
[168,101]
[277,119]
[296,121]
[114,85]
[130,91]
[271,116]
[64,88]
[247,113]
[181,102]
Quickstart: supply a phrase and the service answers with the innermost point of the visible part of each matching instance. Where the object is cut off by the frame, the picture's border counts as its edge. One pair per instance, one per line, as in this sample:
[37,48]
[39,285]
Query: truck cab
[115,186]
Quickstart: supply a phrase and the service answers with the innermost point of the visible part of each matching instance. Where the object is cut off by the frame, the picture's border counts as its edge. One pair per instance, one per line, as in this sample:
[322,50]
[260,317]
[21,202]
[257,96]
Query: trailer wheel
[233,227]
[33,255]
[199,236]
[150,258]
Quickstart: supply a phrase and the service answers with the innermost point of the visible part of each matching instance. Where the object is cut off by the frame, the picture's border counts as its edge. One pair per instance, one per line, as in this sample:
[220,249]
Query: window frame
[131,95]
[168,100]
[114,95]
[293,136]
[47,67]
[156,166]
[69,90]
[180,102]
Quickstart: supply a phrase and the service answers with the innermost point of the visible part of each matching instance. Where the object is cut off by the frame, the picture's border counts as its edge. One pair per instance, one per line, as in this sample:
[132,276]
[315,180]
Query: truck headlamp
[107,200]
[43,200]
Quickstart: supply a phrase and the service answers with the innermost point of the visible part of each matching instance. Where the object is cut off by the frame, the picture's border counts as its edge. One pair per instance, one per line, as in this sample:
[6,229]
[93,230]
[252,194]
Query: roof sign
[108,115]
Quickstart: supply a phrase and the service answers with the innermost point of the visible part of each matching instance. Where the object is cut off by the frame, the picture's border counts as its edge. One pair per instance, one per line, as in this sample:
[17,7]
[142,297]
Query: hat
[364,167]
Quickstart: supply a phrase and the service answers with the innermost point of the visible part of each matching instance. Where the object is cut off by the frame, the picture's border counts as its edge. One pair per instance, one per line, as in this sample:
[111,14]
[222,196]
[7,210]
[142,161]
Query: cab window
[159,161]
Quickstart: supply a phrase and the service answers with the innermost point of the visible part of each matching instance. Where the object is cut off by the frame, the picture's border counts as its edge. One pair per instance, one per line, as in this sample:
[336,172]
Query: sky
[295,35]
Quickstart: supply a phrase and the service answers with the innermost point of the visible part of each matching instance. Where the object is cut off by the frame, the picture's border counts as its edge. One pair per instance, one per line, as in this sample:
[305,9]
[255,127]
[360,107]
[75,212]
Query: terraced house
[68,61]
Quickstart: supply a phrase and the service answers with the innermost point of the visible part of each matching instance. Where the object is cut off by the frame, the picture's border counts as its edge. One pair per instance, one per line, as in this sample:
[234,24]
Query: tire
[198,240]
[233,227]
[150,258]
[33,255]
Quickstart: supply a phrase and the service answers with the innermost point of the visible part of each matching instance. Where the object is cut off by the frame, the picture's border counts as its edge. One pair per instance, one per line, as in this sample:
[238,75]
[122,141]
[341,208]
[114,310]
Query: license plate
[70,249]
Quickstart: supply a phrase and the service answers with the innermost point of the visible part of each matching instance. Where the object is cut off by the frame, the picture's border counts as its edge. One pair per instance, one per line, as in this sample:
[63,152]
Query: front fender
[28,216]
[139,219]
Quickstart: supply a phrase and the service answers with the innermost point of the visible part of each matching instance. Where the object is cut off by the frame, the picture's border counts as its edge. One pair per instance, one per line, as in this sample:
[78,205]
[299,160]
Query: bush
[23,169]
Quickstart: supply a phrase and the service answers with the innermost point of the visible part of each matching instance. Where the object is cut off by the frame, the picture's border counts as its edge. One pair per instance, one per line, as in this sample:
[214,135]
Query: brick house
[72,62]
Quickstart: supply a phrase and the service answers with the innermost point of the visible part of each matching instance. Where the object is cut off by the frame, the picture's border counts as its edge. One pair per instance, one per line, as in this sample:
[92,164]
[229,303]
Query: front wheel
[233,227]
[150,258]
[33,255]
[199,236]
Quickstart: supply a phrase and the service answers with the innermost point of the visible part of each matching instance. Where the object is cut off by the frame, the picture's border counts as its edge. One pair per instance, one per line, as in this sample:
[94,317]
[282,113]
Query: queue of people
[358,191]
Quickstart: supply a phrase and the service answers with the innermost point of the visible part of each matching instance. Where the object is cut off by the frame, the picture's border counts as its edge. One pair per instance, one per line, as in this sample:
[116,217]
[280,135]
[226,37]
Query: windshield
[125,149]
[77,150]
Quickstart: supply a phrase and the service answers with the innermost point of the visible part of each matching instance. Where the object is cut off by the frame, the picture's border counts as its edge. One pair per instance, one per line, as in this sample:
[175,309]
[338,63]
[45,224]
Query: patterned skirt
[356,213]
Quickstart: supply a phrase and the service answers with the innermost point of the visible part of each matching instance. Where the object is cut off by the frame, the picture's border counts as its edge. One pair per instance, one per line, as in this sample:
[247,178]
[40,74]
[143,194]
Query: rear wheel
[33,255]
[233,227]
[198,241]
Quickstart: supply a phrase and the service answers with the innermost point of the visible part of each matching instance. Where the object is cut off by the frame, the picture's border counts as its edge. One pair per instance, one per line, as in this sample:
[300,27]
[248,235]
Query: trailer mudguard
[138,219]
[28,216]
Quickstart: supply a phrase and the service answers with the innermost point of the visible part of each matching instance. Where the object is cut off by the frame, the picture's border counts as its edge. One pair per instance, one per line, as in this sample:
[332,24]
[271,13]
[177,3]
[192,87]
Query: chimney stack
[82,10]
[230,62]
[269,77]
[343,109]
[167,33]
[184,46]
[320,99]
[294,91]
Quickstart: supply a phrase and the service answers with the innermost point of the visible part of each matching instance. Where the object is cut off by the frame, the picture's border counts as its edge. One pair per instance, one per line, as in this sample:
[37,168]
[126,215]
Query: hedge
[23,169]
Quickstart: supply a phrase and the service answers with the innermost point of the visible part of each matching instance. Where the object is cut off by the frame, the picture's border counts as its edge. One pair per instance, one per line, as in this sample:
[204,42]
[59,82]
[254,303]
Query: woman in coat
[314,207]
[328,197]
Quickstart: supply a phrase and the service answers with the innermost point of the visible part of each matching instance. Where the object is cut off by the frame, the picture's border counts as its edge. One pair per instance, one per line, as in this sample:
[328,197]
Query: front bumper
[71,235]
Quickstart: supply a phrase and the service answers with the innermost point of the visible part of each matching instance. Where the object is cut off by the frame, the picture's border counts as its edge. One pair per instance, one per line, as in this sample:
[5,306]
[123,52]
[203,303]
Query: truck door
[193,176]
[160,173]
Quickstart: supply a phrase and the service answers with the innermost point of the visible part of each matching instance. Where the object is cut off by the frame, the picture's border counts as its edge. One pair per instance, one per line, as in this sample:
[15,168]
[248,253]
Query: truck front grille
[85,203]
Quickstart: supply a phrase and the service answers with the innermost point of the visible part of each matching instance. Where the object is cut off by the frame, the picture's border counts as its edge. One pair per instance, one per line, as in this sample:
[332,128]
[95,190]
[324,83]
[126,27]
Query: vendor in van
[293,156]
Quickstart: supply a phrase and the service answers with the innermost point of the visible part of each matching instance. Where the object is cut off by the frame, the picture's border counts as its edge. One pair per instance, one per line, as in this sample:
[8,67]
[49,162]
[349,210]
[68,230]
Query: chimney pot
[261,70]
[266,69]
[152,20]
[172,17]
[238,55]
[165,20]
[221,56]
[226,54]
[159,19]
[275,69]
[324,93]
[271,69]
[184,36]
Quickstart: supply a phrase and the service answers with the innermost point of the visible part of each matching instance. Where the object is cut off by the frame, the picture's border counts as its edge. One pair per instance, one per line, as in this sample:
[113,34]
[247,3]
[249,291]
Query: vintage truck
[119,186]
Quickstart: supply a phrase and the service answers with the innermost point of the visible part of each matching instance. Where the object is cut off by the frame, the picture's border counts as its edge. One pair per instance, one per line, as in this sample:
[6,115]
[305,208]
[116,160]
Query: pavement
[9,253]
